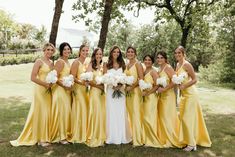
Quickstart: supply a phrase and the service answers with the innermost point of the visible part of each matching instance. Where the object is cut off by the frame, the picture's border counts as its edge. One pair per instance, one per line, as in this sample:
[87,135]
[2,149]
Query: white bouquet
[99,80]
[178,79]
[51,78]
[161,82]
[144,86]
[129,80]
[86,76]
[68,81]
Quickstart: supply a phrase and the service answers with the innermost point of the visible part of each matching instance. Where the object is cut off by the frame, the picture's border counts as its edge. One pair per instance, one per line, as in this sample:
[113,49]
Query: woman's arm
[189,69]
[170,72]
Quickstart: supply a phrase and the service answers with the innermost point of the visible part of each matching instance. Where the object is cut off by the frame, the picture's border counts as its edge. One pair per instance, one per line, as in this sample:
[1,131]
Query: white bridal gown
[117,125]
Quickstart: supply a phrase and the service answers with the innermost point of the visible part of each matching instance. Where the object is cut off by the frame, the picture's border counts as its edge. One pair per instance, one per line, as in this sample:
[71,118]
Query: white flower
[51,77]
[87,76]
[99,80]
[162,81]
[178,79]
[129,80]
[144,85]
[68,81]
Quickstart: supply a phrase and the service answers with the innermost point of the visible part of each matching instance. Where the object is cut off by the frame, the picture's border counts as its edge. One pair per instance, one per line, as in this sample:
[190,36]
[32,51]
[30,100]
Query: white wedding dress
[117,125]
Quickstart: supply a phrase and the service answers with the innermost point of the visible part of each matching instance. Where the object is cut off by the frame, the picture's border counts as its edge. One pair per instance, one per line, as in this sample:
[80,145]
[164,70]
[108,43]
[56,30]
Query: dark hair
[80,48]
[61,47]
[93,60]
[163,54]
[131,47]
[150,56]
[119,59]
[182,49]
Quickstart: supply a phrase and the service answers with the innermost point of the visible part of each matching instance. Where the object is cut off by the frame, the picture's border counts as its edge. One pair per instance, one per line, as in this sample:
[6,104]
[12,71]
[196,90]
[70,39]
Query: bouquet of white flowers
[129,80]
[68,81]
[161,82]
[87,76]
[178,79]
[144,86]
[51,78]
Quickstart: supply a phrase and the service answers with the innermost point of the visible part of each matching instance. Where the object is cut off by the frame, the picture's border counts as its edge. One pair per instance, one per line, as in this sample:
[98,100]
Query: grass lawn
[16,93]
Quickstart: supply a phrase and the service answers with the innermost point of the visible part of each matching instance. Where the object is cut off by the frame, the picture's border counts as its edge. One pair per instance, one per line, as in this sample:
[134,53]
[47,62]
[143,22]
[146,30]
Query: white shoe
[190,148]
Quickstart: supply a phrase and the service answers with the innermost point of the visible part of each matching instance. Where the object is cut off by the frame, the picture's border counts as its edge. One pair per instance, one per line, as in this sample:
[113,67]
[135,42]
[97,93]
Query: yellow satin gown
[79,110]
[193,129]
[134,108]
[149,134]
[37,125]
[61,109]
[168,120]
[96,133]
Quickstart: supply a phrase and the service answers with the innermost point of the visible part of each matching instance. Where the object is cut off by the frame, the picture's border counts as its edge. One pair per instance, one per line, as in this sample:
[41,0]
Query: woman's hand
[161,90]
[182,87]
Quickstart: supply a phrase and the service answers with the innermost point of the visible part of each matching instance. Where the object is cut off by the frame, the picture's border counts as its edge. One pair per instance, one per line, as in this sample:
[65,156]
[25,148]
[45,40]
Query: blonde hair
[47,45]
[182,49]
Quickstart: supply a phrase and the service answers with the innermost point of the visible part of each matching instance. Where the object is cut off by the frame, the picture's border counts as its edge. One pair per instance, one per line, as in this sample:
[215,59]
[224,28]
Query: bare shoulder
[188,65]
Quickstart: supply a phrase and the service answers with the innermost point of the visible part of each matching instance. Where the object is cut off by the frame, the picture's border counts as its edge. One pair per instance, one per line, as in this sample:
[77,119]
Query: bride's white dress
[117,125]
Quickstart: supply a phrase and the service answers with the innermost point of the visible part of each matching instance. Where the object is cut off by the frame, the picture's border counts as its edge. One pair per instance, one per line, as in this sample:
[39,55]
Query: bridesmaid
[36,129]
[149,134]
[134,100]
[168,121]
[96,115]
[80,99]
[193,129]
[61,102]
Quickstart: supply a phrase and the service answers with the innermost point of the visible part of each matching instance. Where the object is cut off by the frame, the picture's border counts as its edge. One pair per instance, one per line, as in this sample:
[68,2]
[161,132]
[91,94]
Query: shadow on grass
[13,112]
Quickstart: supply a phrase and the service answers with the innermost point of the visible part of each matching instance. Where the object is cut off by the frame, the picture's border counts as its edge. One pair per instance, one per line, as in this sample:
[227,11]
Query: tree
[56,20]
[186,13]
[98,14]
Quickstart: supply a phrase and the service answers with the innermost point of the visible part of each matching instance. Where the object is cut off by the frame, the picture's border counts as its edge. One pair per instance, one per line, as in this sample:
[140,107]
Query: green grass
[15,96]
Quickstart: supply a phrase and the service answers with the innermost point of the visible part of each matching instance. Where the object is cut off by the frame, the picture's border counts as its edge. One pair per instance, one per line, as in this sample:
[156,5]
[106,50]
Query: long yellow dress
[193,129]
[96,133]
[37,125]
[135,108]
[168,120]
[61,109]
[79,114]
[149,134]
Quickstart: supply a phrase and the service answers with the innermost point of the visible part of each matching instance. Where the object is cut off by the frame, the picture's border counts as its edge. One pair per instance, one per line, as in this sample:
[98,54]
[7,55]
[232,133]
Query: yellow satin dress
[134,108]
[96,133]
[61,109]
[79,116]
[149,134]
[37,125]
[168,120]
[193,129]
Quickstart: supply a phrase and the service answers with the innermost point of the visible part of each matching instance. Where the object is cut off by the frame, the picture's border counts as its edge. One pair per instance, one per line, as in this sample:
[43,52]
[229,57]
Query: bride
[117,126]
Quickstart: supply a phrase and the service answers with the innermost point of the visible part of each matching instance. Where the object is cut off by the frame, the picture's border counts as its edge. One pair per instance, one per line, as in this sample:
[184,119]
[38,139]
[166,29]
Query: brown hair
[182,49]
[80,48]
[119,59]
[93,60]
[131,47]
[163,54]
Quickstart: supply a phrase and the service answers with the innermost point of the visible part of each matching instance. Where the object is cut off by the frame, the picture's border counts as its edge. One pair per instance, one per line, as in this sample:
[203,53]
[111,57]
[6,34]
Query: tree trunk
[184,37]
[56,20]
[105,23]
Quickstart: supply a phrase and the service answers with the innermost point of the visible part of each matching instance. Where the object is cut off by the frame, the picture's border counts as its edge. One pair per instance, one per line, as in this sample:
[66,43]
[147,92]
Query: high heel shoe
[190,148]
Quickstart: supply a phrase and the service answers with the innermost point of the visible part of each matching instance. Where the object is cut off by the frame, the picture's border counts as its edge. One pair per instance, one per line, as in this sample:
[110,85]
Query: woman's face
[49,51]
[160,59]
[178,55]
[148,62]
[98,56]
[130,54]
[116,53]
[66,51]
[84,52]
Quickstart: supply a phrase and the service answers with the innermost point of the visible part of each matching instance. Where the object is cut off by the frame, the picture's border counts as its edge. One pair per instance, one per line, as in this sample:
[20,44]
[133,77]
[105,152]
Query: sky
[40,12]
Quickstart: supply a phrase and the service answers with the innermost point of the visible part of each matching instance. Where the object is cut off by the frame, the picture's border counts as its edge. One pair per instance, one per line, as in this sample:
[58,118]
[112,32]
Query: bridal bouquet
[68,81]
[178,79]
[161,82]
[51,78]
[144,86]
[87,76]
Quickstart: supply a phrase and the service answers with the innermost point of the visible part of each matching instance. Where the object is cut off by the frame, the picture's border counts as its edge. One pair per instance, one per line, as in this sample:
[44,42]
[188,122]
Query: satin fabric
[36,128]
[150,121]
[168,120]
[135,108]
[61,109]
[96,116]
[79,115]
[193,129]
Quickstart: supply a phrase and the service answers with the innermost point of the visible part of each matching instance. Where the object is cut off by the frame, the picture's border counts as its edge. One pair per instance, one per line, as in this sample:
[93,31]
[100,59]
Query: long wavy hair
[93,60]
[120,60]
